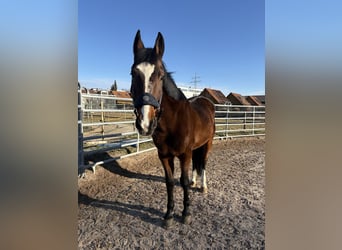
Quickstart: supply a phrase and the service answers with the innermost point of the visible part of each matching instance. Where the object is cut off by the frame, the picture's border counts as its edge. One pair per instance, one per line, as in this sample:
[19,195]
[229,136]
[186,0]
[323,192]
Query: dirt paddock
[123,204]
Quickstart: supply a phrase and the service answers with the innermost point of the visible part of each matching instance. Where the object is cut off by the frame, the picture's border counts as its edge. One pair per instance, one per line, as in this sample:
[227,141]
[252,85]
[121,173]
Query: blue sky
[222,42]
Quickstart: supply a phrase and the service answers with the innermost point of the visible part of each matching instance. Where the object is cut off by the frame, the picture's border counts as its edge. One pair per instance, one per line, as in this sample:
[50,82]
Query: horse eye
[136,76]
[161,75]
[134,72]
[157,75]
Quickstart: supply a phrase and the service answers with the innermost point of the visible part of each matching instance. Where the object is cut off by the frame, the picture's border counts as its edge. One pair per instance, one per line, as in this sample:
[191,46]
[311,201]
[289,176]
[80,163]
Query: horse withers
[179,127]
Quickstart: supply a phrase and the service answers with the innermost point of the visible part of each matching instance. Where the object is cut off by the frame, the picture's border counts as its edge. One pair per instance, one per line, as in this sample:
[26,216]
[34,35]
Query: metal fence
[238,121]
[106,124]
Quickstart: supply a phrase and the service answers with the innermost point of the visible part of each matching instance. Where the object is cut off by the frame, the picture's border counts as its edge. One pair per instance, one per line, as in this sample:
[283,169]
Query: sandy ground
[122,205]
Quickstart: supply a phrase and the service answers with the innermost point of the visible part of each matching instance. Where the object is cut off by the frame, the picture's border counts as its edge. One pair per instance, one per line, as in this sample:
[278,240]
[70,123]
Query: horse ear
[138,44]
[159,45]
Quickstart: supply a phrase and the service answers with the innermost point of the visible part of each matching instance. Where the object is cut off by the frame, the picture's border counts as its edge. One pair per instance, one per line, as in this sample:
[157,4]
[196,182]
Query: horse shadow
[115,168]
[147,214]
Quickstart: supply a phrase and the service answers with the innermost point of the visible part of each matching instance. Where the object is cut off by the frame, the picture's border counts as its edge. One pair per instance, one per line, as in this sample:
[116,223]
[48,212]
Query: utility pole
[195,80]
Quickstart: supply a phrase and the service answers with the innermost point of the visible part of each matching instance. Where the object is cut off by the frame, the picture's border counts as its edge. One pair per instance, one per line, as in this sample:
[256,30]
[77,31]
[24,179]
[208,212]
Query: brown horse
[179,127]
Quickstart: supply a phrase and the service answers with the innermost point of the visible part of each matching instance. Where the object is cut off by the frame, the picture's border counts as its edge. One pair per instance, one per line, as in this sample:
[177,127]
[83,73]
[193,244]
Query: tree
[114,86]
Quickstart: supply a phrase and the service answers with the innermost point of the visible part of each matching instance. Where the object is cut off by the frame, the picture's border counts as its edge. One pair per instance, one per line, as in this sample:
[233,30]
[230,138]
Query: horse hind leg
[194,178]
[196,166]
[206,149]
[204,182]
[201,155]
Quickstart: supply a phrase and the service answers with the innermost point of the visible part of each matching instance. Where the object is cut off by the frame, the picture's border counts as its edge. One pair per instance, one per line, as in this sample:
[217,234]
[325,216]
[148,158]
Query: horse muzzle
[146,111]
[146,120]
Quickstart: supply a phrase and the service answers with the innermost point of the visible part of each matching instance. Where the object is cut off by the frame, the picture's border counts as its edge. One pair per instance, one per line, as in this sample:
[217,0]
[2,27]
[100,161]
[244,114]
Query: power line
[195,80]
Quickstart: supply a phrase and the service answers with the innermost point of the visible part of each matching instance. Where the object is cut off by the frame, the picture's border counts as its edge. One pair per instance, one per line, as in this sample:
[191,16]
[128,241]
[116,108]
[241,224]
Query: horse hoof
[168,223]
[204,190]
[186,219]
[193,184]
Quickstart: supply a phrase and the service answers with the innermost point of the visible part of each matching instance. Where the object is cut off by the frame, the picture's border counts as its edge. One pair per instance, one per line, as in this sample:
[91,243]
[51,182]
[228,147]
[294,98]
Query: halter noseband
[146,99]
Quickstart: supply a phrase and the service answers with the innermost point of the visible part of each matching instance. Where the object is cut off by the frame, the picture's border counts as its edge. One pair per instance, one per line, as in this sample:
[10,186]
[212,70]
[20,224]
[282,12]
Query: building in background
[190,92]
[261,98]
[253,100]
[216,96]
[237,99]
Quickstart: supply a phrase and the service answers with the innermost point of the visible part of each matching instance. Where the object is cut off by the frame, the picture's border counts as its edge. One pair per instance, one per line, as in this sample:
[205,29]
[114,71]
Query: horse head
[147,83]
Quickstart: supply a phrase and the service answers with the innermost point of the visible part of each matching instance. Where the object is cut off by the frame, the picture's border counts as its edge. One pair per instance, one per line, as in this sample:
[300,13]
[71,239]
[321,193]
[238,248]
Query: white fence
[237,121]
[106,126]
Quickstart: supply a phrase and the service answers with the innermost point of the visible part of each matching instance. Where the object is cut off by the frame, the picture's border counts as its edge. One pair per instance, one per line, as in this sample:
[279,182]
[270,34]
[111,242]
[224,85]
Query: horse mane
[171,88]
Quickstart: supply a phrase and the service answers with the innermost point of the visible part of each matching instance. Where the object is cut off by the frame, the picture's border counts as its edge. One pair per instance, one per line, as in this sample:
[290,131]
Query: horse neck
[173,99]
[170,89]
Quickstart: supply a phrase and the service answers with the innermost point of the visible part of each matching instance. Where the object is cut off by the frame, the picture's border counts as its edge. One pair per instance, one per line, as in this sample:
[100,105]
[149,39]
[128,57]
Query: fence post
[138,142]
[227,127]
[80,129]
[102,116]
[245,123]
[253,119]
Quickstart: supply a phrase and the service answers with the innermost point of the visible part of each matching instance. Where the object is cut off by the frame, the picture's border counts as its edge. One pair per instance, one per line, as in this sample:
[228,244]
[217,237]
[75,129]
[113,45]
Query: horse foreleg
[169,169]
[185,183]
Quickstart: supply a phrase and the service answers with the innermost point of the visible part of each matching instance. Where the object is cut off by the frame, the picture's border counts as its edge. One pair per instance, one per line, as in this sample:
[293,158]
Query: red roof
[214,95]
[121,94]
[237,99]
[253,100]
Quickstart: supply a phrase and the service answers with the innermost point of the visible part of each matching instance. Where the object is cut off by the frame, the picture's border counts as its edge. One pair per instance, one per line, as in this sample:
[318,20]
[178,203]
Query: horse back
[204,107]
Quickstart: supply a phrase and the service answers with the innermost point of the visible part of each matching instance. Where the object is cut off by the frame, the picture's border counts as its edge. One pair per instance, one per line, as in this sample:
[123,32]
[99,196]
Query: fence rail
[106,124]
[239,120]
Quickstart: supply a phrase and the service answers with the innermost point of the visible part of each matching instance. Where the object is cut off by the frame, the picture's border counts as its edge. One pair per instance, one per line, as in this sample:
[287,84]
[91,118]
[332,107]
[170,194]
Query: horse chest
[171,143]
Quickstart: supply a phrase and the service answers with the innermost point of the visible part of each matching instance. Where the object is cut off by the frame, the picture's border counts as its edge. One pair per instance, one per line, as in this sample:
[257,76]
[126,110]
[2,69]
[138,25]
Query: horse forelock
[145,55]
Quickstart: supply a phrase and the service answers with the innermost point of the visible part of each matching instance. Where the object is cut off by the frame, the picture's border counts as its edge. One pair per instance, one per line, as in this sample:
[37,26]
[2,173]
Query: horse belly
[200,141]
[204,132]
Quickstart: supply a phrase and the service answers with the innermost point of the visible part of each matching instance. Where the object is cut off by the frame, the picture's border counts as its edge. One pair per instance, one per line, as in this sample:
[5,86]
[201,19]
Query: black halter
[146,99]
